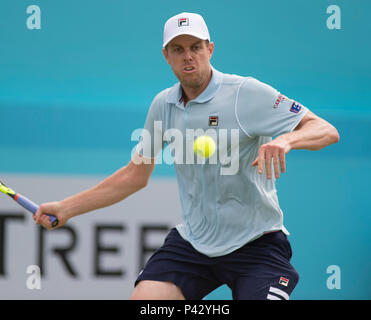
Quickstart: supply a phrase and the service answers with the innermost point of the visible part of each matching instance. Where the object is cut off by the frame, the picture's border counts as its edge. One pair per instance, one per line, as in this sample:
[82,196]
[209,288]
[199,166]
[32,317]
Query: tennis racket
[25,202]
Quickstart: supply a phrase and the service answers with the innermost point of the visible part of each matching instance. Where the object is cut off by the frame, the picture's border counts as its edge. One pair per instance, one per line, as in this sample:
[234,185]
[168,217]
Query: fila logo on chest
[213,121]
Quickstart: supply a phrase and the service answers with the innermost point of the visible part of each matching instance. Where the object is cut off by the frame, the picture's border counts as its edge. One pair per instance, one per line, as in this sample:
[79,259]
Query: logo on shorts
[295,107]
[183,22]
[213,121]
[283,281]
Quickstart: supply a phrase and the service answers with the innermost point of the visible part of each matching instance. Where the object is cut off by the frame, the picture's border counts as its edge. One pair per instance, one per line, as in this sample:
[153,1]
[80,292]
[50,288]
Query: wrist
[66,209]
[287,141]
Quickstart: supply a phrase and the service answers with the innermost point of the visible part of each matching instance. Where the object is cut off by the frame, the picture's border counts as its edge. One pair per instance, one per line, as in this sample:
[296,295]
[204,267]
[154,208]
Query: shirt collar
[176,92]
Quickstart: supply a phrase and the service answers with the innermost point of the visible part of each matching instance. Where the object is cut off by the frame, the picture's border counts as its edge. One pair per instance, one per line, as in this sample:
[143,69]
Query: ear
[211,49]
[166,55]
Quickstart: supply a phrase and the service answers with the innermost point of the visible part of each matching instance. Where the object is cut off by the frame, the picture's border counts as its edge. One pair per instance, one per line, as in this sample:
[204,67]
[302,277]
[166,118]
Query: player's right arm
[120,185]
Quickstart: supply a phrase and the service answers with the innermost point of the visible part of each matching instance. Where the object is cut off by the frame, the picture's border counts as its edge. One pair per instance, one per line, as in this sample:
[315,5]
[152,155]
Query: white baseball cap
[185,23]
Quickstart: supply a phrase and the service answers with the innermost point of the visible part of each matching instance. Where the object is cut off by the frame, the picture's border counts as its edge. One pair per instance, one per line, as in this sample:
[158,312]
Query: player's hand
[273,151]
[52,208]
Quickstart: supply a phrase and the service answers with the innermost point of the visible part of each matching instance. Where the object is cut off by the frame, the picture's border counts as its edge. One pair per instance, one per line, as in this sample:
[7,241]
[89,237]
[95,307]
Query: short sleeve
[150,141]
[263,111]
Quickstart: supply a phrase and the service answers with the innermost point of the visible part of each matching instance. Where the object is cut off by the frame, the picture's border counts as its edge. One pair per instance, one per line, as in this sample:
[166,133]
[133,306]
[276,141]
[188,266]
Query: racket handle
[33,207]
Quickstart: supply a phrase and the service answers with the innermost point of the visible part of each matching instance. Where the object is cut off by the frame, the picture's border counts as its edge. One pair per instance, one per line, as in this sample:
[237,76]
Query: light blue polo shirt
[224,204]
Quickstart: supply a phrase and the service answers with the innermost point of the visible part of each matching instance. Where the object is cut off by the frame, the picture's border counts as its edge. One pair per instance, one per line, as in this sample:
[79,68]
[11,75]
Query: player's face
[189,58]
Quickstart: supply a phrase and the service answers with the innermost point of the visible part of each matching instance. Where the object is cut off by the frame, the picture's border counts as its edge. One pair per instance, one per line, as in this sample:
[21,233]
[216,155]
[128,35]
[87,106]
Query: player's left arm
[312,133]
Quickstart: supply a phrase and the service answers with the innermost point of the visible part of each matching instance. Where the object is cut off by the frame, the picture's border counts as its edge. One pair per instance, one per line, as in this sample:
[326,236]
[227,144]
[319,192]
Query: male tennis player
[233,230]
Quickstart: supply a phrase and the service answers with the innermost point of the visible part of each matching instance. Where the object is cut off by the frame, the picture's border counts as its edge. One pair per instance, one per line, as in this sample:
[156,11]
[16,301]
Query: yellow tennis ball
[204,146]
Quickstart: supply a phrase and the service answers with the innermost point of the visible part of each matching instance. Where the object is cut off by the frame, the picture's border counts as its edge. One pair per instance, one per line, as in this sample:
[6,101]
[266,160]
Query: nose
[187,55]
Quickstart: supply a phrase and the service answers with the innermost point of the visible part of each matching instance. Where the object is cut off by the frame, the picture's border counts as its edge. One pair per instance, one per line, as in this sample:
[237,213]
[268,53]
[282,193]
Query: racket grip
[33,207]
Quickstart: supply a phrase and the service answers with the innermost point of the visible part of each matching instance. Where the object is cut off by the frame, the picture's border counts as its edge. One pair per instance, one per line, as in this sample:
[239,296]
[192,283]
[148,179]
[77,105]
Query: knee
[141,292]
[156,290]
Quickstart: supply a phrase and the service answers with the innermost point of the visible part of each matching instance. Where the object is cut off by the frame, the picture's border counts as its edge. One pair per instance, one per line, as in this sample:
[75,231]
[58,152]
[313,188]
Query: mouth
[189,69]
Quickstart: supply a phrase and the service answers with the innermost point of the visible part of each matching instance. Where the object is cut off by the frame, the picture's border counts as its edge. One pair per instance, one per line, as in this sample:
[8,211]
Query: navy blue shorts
[259,270]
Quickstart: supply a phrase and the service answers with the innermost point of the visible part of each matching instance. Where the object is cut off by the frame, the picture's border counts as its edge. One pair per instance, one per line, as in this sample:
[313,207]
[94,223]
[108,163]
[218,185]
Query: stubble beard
[193,82]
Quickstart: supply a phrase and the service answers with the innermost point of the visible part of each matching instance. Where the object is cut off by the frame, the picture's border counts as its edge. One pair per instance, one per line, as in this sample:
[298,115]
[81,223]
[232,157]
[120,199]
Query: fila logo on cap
[183,22]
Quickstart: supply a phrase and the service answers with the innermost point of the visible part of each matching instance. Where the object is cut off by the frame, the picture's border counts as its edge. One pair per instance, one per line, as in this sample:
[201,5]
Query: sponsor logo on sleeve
[295,107]
[280,99]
